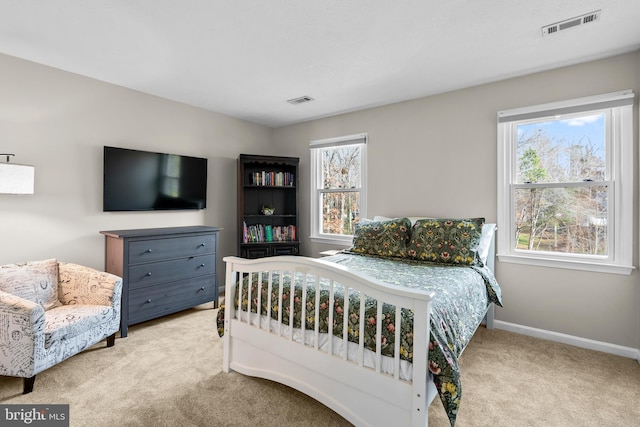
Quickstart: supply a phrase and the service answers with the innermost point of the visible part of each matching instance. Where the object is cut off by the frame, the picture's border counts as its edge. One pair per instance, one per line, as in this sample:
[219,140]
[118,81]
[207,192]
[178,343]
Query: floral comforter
[462,294]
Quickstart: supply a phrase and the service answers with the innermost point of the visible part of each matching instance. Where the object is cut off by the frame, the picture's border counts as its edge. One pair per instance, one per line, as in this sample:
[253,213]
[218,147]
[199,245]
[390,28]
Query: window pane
[341,167]
[564,150]
[567,220]
[340,212]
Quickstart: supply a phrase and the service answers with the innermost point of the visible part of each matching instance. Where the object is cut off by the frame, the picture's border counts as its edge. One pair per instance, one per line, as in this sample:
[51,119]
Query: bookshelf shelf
[271,216]
[267,181]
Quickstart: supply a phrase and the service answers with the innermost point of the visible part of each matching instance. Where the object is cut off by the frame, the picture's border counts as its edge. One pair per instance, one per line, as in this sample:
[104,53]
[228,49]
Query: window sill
[567,264]
[332,240]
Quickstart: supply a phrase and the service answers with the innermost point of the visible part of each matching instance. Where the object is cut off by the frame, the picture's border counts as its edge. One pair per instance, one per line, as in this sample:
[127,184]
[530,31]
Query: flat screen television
[137,180]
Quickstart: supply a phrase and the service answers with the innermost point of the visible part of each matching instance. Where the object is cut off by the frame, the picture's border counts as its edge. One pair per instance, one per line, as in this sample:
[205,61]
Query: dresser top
[144,232]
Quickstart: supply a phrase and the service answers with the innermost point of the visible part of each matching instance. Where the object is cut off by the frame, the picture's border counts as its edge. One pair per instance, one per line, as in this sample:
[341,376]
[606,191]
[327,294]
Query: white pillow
[413,219]
[485,241]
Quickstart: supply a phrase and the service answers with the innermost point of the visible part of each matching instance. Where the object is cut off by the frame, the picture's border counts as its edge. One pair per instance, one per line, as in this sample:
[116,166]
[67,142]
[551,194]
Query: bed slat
[396,350]
[316,331]
[330,325]
[378,336]
[303,311]
[249,288]
[292,294]
[240,298]
[269,291]
[345,323]
[361,330]
[280,290]
[259,299]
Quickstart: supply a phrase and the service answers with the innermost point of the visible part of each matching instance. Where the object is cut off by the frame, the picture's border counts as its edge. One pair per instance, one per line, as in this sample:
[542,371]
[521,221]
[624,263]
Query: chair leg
[28,384]
[111,340]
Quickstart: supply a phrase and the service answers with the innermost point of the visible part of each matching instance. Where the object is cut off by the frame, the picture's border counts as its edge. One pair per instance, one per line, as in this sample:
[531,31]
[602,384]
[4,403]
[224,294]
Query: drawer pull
[203,244]
[148,274]
[202,288]
[149,300]
[201,265]
[148,251]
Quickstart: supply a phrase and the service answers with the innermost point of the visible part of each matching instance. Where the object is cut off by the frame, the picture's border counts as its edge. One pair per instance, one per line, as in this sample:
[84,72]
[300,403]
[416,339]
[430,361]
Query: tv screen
[144,181]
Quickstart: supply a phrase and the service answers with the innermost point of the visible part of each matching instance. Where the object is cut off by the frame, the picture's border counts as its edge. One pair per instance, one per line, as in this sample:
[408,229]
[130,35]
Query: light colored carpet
[168,373]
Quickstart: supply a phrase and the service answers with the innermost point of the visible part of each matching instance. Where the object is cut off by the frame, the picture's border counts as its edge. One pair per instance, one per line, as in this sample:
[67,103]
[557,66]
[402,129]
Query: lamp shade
[16,179]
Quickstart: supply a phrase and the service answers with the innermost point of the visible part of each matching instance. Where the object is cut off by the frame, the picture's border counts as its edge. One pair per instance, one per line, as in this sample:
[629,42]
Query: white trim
[571,264]
[332,239]
[357,138]
[596,102]
[618,350]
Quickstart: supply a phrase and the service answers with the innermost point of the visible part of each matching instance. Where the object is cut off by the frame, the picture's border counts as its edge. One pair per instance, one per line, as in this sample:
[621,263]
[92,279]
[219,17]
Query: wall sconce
[16,179]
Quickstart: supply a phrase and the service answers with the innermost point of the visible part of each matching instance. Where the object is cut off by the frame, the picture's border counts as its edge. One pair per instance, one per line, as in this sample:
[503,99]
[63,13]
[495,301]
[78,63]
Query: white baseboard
[618,350]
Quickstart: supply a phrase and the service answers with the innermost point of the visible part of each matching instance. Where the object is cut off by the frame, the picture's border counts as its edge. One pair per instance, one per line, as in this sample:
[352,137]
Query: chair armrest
[79,284]
[19,311]
[22,324]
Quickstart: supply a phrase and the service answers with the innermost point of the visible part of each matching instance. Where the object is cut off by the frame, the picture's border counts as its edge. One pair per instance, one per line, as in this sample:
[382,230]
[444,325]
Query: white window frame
[316,235]
[620,157]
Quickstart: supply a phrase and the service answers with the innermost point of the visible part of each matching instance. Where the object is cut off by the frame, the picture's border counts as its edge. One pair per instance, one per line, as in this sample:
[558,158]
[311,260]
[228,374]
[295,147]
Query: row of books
[272,179]
[268,233]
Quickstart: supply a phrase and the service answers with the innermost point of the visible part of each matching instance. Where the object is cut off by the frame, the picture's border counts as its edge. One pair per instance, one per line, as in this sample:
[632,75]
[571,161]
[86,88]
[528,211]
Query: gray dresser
[163,270]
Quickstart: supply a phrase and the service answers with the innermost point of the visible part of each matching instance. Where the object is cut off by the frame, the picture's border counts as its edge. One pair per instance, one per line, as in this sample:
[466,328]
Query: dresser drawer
[164,271]
[154,301]
[142,251]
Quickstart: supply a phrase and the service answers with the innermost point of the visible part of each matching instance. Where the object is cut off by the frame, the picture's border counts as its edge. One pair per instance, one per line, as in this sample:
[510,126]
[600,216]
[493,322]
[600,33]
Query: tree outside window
[341,183]
[562,200]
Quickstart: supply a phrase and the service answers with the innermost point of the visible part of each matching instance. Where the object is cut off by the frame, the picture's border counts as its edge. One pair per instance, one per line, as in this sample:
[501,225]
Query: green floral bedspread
[462,294]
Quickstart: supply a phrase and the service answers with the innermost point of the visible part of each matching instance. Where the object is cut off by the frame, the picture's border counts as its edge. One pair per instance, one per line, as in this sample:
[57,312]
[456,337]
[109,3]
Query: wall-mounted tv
[137,180]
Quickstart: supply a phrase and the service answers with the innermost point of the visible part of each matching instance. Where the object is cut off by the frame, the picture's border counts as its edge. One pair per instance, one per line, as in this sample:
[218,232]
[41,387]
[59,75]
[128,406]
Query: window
[338,187]
[565,184]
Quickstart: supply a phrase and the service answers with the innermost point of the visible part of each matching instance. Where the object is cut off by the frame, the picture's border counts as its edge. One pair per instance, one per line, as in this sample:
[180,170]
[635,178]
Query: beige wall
[60,121]
[431,156]
[437,156]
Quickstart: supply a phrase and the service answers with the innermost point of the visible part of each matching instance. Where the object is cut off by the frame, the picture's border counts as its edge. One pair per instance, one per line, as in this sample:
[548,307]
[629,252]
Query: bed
[284,318]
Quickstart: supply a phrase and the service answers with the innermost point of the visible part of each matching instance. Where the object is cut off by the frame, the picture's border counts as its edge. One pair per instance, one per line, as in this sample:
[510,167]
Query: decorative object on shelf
[267,210]
[15,178]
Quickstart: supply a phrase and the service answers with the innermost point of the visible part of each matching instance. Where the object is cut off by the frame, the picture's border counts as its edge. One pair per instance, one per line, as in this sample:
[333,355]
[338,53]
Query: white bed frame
[256,346]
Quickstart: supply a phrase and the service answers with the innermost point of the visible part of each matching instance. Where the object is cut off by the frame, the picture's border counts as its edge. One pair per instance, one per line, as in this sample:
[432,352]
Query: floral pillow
[36,281]
[447,241]
[388,238]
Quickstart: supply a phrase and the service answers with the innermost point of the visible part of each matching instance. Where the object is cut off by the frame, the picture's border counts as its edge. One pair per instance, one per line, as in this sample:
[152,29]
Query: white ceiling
[245,58]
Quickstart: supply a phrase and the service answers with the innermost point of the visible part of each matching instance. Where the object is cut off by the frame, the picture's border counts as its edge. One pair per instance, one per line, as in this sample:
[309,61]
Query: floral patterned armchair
[50,311]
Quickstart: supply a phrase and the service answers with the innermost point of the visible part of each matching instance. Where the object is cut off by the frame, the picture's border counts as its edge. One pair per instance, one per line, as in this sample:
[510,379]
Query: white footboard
[363,392]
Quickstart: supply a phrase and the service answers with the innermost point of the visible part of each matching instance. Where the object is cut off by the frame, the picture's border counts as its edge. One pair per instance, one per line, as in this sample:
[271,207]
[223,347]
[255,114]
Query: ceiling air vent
[300,100]
[571,23]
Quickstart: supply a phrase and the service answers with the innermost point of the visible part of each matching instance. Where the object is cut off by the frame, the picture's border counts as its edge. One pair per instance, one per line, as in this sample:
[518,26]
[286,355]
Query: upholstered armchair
[50,311]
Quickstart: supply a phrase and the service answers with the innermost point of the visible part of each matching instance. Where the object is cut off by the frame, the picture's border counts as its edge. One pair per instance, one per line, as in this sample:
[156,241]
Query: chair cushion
[68,321]
[35,281]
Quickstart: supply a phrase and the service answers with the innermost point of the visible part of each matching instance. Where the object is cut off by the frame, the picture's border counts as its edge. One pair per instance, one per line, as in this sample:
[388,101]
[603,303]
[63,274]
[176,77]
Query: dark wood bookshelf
[267,181]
